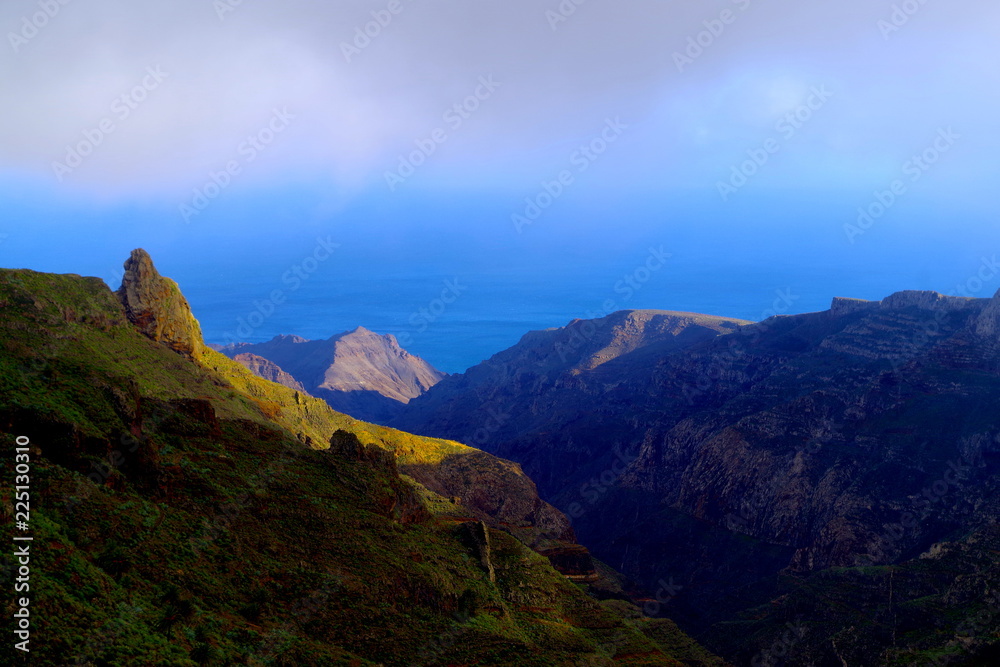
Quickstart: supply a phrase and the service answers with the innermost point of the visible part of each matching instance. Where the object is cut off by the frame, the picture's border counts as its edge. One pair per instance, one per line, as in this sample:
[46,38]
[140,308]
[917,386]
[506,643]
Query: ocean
[457,318]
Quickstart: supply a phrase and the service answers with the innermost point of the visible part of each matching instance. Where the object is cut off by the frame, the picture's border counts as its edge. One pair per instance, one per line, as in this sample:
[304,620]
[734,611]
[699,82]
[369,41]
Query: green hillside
[179,518]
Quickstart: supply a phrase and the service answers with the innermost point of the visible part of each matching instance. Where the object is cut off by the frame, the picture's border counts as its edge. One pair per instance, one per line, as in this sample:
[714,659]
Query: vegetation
[179,519]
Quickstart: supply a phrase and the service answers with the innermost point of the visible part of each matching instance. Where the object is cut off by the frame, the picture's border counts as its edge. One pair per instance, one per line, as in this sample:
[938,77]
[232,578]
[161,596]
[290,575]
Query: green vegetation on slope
[176,524]
[490,488]
[314,419]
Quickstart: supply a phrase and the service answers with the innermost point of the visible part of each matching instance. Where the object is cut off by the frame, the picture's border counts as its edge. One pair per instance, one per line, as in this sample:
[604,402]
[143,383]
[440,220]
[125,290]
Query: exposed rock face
[156,306]
[365,361]
[988,323]
[360,373]
[268,370]
[855,437]
[347,445]
[572,560]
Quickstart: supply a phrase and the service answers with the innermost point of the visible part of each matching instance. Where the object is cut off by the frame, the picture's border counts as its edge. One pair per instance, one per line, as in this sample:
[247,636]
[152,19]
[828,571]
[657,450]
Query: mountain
[361,373]
[187,512]
[552,379]
[818,488]
[268,370]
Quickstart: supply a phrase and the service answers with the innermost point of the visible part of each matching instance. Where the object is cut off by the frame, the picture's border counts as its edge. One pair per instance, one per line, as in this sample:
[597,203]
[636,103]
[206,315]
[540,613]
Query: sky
[849,148]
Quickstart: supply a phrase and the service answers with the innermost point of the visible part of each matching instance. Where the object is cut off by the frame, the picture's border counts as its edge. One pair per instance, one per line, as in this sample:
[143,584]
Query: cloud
[357,107]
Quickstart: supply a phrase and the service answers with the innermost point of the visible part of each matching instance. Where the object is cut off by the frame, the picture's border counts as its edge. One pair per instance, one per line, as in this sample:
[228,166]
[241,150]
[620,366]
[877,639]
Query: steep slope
[359,372]
[268,370]
[492,490]
[510,404]
[177,522]
[835,470]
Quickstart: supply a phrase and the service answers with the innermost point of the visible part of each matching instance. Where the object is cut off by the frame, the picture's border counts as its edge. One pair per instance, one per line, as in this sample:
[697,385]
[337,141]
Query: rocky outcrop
[572,560]
[268,370]
[360,373]
[363,360]
[155,305]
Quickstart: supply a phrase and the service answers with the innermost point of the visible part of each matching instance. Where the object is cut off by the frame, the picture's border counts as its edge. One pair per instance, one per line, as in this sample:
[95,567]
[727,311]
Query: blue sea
[457,318]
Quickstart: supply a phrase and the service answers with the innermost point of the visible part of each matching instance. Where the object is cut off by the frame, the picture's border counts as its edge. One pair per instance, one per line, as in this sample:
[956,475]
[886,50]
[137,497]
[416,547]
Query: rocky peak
[365,360]
[586,344]
[363,336]
[156,307]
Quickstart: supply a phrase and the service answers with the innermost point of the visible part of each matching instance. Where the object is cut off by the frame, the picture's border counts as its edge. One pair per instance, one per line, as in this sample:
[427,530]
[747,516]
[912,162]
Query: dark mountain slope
[514,402]
[753,467]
